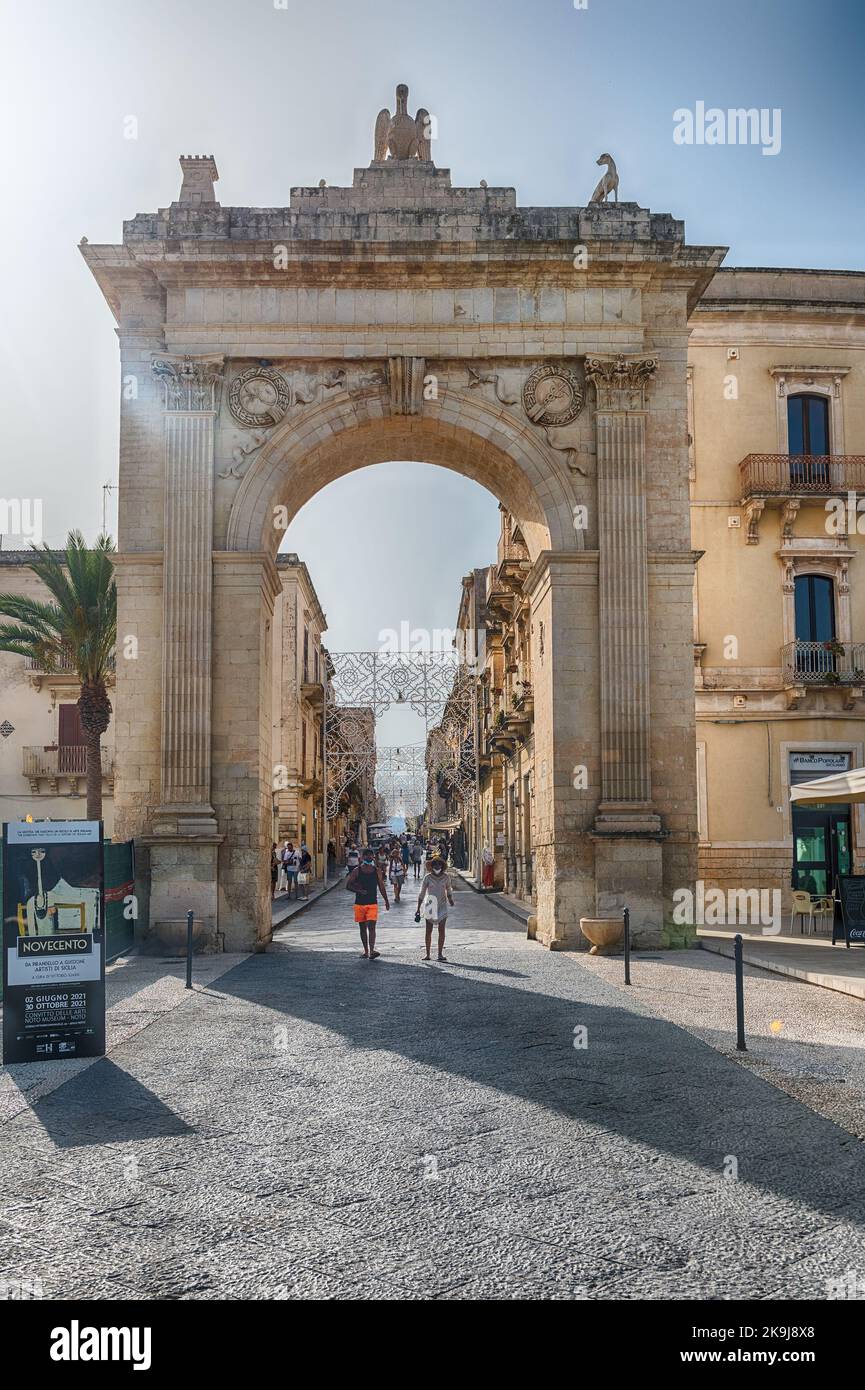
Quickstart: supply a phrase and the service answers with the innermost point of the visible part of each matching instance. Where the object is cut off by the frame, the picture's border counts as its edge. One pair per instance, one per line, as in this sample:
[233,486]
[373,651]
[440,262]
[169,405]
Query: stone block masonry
[297,344]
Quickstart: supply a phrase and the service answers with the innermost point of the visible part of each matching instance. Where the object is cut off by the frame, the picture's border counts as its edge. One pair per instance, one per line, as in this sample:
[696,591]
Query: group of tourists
[290,869]
[371,870]
[374,867]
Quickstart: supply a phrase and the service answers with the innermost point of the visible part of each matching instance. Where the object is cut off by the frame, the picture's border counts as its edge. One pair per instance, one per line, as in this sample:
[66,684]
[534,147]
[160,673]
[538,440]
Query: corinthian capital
[190,383]
[620,382]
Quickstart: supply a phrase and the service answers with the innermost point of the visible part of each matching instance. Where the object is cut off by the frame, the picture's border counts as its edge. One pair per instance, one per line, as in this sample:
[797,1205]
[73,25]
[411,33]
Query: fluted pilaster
[626,786]
[191,401]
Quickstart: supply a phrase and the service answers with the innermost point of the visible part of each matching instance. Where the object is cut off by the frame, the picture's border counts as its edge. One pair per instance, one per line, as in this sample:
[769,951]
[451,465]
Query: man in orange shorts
[366,882]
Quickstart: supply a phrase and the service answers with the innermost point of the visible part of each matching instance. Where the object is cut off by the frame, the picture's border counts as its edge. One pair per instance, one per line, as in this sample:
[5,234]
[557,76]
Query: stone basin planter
[605,933]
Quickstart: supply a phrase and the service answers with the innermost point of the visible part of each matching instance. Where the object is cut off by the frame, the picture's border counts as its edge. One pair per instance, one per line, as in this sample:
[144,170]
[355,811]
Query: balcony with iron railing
[63,673]
[823,663]
[801,475]
[68,760]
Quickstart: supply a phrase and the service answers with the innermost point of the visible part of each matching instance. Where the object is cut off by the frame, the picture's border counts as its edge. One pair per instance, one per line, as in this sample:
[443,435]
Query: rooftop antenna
[106,488]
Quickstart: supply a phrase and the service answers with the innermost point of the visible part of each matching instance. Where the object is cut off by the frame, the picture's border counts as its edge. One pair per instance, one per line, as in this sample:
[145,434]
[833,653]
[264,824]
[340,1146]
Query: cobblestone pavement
[807,1040]
[308,1124]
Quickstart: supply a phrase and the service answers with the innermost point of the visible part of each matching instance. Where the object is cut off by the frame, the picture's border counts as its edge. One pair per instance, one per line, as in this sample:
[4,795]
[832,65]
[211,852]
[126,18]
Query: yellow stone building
[495,608]
[777,472]
[776,462]
[299,673]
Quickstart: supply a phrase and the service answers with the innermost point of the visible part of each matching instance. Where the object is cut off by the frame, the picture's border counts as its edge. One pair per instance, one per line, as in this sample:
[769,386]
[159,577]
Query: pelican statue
[402,136]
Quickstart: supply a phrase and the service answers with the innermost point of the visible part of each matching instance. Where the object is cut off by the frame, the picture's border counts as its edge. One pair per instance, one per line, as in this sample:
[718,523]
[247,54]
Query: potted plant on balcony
[834,647]
[77,626]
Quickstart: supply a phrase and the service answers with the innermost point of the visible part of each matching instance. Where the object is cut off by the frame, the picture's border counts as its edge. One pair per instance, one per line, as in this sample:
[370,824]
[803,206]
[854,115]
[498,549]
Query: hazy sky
[525,93]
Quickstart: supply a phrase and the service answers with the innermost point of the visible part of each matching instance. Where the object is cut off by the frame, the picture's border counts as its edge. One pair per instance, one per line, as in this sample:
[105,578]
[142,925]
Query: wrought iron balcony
[68,760]
[801,475]
[523,699]
[823,663]
[64,672]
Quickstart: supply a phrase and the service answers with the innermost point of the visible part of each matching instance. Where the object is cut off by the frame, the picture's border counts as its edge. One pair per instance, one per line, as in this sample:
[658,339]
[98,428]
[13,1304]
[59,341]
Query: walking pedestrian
[331,858]
[281,852]
[434,898]
[274,870]
[352,857]
[366,882]
[488,869]
[404,854]
[304,870]
[396,874]
[417,857]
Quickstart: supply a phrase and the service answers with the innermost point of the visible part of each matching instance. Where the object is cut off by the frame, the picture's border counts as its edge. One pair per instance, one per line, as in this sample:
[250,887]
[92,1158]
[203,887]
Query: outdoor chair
[824,907]
[804,906]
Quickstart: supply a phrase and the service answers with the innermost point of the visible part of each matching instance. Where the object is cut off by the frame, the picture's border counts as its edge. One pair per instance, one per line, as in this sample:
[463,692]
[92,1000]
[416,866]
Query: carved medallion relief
[259,397]
[552,396]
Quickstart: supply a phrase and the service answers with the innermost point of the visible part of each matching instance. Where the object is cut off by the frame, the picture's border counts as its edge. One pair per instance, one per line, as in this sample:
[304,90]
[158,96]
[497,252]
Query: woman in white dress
[436,895]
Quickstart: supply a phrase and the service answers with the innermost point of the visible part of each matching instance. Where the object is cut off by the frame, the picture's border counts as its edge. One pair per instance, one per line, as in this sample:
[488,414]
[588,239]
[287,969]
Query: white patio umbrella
[839,786]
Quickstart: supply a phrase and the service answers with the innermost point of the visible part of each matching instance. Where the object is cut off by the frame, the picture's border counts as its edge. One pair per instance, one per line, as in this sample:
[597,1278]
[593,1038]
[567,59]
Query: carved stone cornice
[620,382]
[190,384]
[798,377]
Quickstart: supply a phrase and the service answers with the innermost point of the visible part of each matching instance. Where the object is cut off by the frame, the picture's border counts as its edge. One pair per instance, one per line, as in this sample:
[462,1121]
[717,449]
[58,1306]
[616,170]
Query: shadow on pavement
[640,1077]
[105,1105]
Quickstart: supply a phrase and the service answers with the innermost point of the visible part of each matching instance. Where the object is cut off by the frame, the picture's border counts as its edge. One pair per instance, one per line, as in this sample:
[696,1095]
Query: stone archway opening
[398,548]
[287,474]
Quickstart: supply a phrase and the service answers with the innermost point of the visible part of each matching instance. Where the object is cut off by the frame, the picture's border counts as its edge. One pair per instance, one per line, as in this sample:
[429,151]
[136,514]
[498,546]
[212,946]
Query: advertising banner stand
[53,941]
[850,890]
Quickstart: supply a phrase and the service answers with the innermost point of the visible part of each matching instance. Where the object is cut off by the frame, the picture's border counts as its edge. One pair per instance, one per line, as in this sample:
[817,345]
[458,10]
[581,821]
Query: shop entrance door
[821,846]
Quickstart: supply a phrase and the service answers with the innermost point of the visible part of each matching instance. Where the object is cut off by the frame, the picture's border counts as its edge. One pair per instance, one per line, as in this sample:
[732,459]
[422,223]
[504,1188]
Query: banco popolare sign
[53,941]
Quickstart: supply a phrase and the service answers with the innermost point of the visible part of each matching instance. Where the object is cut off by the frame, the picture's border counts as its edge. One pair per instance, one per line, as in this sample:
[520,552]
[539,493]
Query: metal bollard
[189,950]
[740,994]
[627,917]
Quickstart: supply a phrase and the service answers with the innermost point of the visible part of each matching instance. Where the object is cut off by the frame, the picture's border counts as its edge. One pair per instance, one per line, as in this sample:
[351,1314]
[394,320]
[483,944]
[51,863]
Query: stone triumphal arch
[541,351]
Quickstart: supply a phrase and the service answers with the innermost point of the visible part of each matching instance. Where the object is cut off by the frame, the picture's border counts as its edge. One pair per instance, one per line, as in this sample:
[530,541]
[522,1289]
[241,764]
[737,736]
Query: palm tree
[78,628]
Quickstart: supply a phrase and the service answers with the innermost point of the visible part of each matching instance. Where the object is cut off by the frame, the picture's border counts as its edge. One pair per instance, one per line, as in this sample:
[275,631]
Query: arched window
[808,441]
[815,623]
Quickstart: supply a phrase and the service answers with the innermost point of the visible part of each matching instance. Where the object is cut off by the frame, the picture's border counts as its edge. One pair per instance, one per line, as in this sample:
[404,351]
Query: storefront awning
[840,787]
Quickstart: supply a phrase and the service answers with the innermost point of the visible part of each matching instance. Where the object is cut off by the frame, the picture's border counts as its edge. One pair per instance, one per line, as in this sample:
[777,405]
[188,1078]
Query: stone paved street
[308,1124]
